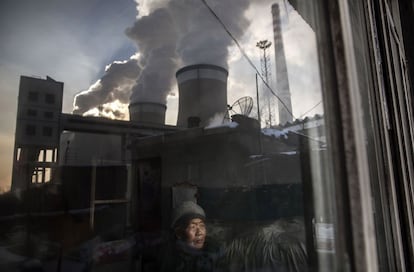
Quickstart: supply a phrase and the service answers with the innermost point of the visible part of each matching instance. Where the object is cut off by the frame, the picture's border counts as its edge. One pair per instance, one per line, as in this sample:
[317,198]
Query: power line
[317,104]
[245,56]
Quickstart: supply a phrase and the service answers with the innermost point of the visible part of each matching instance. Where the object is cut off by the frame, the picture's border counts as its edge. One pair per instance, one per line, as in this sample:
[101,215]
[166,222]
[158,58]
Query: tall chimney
[202,93]
[282,81]
[148,112]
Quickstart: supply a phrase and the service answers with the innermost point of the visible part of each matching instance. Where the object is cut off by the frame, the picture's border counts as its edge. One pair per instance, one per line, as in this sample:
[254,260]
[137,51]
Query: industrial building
[96,143]
[111,177]
[38,130]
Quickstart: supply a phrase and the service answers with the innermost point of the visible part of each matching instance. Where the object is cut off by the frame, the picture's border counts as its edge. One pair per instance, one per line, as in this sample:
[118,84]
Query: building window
[19,150]
[31,113]
[48,115]
[50,99]
[30,130]
[47,131]
[33,96]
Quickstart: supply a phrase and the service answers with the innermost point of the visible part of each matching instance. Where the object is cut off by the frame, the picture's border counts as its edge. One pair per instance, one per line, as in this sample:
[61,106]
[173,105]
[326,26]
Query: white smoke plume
[168,34]
[156,38]
[112,110]
[204,40]
[115,84]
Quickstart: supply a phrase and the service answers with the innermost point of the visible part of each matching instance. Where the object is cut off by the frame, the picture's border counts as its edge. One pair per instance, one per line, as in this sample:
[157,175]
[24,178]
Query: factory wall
[86,149]
[224,171]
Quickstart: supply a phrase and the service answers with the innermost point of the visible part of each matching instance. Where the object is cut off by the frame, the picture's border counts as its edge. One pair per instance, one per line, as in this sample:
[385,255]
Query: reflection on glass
[222,165]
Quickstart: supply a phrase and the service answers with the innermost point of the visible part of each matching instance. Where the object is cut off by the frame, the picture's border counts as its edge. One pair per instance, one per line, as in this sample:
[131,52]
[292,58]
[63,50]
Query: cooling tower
[202,94]
[148,112]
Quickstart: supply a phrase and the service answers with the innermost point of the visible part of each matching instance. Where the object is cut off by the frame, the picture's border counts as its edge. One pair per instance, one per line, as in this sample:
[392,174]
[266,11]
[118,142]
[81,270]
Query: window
[41,175]
[50,153]
[290,134]
[47,155]
[33,96]
[30,130]
[47,131]
[48,115]
[31,113]
[50,99]
[249,171]
[19,150]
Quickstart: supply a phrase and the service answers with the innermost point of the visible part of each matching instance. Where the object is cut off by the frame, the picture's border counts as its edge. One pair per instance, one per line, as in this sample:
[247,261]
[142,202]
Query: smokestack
[202,93]
[148,112]
[282,81]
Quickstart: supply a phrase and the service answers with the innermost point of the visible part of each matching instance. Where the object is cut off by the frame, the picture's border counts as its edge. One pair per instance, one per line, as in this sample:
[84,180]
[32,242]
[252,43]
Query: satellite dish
[242,106]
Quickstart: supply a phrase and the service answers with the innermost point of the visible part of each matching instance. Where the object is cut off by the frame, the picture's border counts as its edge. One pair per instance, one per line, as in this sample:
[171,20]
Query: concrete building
[37,131]
[41,148]
[152,158]
[220,168]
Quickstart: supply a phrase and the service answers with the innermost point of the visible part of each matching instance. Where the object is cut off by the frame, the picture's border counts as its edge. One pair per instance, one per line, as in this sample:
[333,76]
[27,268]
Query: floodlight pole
[263,45]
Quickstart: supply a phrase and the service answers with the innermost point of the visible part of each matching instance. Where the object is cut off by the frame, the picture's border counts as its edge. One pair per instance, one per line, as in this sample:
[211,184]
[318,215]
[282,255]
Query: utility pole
[264,61]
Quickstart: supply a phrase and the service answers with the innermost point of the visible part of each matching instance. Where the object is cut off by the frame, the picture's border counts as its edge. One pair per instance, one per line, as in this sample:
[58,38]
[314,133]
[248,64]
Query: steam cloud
[115,85]
[173,33]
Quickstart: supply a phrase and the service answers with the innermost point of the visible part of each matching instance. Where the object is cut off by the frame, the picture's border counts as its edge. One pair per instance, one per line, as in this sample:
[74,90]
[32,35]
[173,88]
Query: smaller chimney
[148,112]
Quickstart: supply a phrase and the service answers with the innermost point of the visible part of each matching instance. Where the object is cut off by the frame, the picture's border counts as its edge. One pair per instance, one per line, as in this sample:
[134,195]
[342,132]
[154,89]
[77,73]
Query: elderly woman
[191,250]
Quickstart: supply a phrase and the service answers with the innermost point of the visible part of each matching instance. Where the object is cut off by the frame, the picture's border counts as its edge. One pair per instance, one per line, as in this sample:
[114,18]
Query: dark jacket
[179,257]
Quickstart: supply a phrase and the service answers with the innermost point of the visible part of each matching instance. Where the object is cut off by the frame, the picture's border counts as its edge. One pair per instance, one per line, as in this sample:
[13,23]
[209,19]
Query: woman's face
[196,233]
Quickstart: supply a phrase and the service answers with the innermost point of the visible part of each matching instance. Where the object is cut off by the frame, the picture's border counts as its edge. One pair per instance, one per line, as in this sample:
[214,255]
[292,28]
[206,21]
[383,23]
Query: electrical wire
[245,56]
[306,112]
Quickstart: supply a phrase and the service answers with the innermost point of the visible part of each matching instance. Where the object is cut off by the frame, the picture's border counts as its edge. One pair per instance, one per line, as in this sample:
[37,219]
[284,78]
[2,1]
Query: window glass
[206,150]
[48,115]
[31,112]
[49,98]
[30,130]
[47,131]
[33,96]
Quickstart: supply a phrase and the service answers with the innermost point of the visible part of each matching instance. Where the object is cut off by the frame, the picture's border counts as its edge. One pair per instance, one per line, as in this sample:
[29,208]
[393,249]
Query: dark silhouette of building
[37,131]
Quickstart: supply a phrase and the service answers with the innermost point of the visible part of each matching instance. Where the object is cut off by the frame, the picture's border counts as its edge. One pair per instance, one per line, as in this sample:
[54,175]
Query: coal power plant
[108,177]
[106,189]
[208,136]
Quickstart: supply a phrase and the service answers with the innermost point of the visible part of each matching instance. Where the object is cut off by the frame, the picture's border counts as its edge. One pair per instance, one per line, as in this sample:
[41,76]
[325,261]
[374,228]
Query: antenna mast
[266,72]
